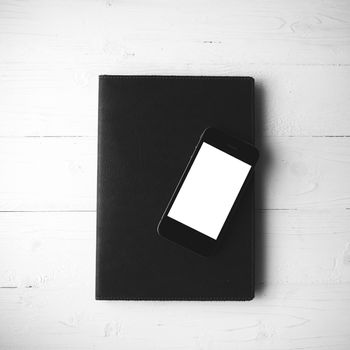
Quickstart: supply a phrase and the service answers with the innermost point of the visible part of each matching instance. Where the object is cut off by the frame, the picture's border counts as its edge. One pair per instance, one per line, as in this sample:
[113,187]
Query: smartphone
[208,191]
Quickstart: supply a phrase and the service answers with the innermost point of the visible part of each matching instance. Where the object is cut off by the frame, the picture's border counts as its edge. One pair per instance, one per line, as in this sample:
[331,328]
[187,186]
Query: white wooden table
[51,55]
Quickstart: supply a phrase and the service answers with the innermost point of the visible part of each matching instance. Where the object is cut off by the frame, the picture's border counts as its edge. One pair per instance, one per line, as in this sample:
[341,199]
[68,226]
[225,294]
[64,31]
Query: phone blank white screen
[209,190]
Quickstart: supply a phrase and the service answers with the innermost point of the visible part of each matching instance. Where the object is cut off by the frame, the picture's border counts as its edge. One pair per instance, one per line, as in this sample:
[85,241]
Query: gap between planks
[92,137]
[94,211]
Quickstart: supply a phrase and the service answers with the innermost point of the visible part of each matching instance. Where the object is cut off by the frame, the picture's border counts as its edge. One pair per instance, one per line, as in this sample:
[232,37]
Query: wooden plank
[286,317]
[48,173]
[304,172]
[47,291]
[298,53]
[57,249]
[298,32]
[297,100]
[303,246]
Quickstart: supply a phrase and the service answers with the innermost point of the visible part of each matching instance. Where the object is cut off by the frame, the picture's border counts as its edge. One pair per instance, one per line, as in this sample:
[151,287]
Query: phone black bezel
[185,235]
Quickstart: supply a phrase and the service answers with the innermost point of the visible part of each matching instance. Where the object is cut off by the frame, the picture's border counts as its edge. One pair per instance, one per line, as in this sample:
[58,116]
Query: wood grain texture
[46,294]
[58,247]
[55,51]
[63,103]
[59,173]
[51,55]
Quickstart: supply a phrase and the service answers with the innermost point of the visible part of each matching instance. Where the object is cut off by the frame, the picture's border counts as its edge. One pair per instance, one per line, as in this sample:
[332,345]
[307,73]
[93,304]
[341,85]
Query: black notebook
[148,128]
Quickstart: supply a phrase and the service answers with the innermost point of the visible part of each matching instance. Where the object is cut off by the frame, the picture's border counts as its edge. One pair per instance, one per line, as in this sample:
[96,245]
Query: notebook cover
[148,128]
